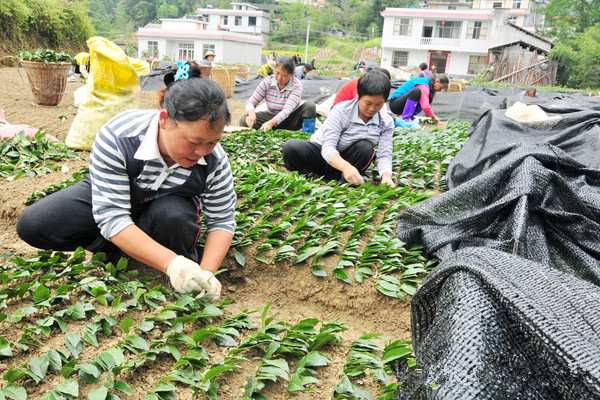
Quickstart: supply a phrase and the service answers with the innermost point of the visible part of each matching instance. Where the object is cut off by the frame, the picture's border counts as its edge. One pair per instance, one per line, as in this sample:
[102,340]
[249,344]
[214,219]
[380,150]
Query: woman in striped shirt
[282,93]
[345,144]
[151,174]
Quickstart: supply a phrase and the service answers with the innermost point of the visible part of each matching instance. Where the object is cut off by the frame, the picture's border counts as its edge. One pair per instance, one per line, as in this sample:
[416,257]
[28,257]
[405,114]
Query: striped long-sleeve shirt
[280,103]
[126,169]
[343,127]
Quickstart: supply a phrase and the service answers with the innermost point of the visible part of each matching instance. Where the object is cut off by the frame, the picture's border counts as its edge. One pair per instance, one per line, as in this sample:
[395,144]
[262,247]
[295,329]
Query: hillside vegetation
[30,24]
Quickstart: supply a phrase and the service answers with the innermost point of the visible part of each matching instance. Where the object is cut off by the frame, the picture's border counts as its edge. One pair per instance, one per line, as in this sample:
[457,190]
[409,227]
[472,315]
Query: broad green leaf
[74,343]
[5,350]
[342,275]
[395,354]
[100,393]
[70,387]
[240,258]
[39,366]
[13,375]
[68,369]
[123,387]
[14,392]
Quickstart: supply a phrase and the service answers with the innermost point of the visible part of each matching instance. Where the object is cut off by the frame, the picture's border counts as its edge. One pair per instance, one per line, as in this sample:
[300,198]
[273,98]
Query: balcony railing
[439,42]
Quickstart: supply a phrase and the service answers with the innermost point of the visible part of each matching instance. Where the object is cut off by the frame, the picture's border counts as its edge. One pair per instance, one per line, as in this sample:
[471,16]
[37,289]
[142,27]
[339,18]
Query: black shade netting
[571,127]
[491,325]
[513,310]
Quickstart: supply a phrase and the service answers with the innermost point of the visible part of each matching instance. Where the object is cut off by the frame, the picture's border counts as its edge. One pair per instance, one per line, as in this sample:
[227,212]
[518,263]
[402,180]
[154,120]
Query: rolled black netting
[512,311]
[573,127]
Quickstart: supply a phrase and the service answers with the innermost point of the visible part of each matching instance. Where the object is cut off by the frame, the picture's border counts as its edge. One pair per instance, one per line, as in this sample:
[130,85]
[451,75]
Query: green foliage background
[56,24]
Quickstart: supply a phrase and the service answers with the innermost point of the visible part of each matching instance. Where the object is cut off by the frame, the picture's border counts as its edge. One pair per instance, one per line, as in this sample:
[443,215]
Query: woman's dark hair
[374,83]
[192,99]
[443,80]
[194,72]
[287,63]
[385,71]
[423,66]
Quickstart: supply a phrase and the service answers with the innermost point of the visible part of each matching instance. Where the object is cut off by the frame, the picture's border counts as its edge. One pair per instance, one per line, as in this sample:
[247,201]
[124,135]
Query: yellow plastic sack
[113,86]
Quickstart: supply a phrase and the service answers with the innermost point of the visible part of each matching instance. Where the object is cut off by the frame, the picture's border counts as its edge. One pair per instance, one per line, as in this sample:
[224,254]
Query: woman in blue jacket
[415,96]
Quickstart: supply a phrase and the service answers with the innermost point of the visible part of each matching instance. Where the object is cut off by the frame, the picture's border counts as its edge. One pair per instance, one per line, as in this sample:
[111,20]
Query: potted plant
[47,71]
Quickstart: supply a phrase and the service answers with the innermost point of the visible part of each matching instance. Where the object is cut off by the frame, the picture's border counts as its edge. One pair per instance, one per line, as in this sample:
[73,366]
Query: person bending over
[415,96]
[350,89]
[282,93]
[301,70]
[267,69]
[151,174]
[345,144]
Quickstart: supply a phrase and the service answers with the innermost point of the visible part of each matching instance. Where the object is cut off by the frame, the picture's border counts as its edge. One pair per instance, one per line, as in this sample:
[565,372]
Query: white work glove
[187,277]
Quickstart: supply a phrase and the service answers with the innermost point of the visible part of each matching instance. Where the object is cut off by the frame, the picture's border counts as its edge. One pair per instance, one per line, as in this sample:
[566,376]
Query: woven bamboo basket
[243,70]
[48,83]
[340,74]
[224,77]
[457,85]
[205,70]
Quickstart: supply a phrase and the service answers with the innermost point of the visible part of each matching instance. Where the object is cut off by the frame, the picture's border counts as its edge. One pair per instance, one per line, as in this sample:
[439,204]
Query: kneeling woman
[151,174]
[282,93]
[345,144]
[415,96]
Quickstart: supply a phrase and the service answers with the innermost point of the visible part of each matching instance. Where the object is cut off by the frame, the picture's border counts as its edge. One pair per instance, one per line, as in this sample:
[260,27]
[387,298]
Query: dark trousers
[304,157]
[293,122]
[63,221]
[397,105]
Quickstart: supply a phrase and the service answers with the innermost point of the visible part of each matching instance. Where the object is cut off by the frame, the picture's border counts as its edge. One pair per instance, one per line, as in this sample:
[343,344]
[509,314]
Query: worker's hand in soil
[387,179]
[351,175]
[268,125]
[251,119]
[187,277]
[435,119]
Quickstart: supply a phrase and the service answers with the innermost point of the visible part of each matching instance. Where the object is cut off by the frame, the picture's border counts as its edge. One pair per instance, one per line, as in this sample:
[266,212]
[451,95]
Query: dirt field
[295,292]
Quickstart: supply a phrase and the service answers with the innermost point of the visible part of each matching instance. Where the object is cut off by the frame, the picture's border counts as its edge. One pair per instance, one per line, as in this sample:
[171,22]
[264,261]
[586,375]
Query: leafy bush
[45,56]
[44,23]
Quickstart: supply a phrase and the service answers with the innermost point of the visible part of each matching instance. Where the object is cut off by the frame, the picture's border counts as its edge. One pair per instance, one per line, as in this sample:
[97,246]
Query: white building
[522,13]
[236,36]
[456,41]
[243,18]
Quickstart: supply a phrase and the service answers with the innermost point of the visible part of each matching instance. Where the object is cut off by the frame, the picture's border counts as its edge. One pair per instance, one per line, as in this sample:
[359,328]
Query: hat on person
[271,63]
[209,53]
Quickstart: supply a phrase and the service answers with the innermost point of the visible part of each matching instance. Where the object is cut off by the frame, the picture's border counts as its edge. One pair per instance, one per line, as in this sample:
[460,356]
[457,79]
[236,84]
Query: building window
[186,51]
[476,64]
[208,47]
[477,30]
[399,58]
[497,5]
[402,27]
[451,7]
[224,19]
[447,29]
[251,21]
[516,4]
[238,20]
[513,20]
[152,49]
[469,1]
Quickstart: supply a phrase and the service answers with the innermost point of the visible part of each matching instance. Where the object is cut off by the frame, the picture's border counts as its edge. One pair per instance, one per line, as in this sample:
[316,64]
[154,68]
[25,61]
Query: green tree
[579,58]
[564,18]
[167,11]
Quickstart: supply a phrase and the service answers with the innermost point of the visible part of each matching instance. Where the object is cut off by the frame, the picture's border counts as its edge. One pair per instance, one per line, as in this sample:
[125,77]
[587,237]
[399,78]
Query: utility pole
[306,48]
